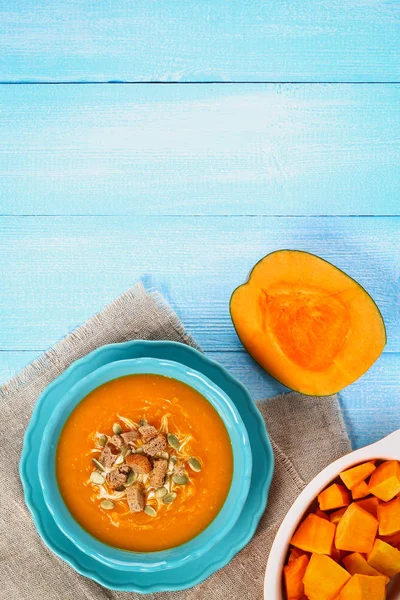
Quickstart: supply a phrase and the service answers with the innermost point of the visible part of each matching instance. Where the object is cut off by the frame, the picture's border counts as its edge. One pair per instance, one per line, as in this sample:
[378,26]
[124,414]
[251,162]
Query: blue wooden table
[179,142]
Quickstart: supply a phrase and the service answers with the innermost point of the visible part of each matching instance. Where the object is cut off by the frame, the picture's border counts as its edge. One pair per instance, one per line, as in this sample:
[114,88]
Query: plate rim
[211,567]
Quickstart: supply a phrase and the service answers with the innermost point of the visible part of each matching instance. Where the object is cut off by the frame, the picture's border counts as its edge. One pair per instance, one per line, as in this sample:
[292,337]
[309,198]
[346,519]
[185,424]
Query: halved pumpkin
[307,323]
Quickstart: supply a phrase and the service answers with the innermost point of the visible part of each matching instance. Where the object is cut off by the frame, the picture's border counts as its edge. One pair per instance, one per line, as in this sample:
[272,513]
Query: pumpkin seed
[180,479]
[139,451]
[97,478]
[149,510]
[119,460]
[164,455]
[194,464]
[169,498]
[130,480]
[173,441]
[102,440]
[125,452]
[142,422]
[160,492]
[120,488]
[172,462]
[107,504]
[98,464]
[117,429]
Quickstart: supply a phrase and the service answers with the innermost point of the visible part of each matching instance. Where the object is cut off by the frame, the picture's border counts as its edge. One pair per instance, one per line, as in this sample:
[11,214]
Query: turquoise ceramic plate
[221,553]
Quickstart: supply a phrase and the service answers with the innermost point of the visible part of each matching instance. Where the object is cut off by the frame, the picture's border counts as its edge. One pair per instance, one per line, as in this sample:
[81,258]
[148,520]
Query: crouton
[179,469]
[139,464]
[118,477]
[117,442]
[130,436]
[148,432]
[107,458]
[155,445]
[135,497]
[158,473]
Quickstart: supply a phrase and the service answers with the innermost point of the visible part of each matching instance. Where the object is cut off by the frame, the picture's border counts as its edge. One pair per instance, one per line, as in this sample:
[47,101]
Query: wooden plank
[60,270]
[211,40]
[235,149]
[371,406]
[11,362]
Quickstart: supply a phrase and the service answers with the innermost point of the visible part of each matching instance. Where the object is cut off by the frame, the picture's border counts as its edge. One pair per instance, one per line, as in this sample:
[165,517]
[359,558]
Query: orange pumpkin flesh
[307,323]
[293,574]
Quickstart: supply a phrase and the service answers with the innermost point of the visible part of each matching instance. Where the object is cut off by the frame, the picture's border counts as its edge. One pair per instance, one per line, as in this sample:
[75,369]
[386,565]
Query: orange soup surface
[177,412]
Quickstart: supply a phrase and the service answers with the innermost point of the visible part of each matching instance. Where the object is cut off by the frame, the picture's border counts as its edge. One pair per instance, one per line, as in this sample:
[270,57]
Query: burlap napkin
[307,434]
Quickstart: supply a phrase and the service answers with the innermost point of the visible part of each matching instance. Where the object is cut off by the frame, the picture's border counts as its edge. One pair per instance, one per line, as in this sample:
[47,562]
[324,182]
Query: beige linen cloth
[307,434]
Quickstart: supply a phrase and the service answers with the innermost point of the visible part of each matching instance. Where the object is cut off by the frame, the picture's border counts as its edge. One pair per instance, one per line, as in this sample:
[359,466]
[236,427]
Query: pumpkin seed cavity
[169,498]
[107,504]
[98,464]
[117,429]
[180,479]
[97,478]
[149,510]
[194,464]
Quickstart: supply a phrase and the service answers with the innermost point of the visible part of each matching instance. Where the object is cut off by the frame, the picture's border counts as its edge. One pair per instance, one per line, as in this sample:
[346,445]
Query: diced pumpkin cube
[389,517]
[356,475]
[334,496]
[393,540]
[337,515]
[322,514]
[384,558]
[295,553]
[337,555]
[324,578]
[364,587]
[356,564]
[293,575]
[360,491]
[369,504]
[356,530]
[385,480]
[314,535]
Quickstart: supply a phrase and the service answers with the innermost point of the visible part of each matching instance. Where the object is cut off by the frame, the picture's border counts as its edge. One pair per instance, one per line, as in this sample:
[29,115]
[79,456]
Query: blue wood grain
[58,271]
[184,150]
[371,406]
[210,40]
[12,362]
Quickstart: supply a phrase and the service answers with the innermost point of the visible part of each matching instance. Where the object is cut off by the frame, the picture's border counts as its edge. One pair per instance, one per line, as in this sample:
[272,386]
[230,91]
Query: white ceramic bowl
[386,449]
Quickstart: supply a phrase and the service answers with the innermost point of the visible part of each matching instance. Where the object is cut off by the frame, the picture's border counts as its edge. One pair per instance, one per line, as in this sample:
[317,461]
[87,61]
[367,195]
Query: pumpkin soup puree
[144,463]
